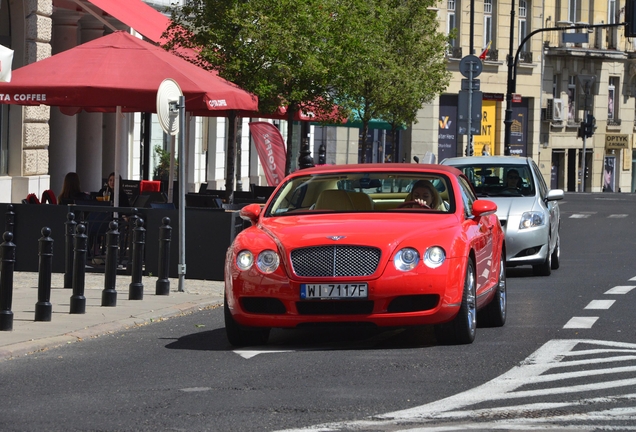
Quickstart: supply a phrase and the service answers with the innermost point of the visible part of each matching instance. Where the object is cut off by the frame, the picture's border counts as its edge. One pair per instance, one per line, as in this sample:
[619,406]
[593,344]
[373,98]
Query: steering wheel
[410,203]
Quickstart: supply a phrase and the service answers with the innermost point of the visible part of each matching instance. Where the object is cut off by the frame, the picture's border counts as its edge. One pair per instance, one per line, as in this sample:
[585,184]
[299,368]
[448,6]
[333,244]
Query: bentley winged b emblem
[336,238]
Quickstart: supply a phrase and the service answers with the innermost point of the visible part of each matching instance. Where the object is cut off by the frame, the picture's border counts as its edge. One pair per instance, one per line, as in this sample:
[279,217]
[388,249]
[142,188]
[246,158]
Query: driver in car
[425,195]
[513,180]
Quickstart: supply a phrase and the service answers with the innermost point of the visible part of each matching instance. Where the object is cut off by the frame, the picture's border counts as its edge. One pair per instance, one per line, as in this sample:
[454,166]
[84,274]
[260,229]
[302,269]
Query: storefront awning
[135,14]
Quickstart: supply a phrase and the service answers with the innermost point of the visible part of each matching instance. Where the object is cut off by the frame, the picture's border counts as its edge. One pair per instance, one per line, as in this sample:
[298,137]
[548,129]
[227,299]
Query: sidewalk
[29,336]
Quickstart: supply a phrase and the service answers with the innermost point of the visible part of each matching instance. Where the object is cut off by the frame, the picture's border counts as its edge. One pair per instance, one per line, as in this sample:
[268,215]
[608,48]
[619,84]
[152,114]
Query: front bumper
[528,246]
[395,300]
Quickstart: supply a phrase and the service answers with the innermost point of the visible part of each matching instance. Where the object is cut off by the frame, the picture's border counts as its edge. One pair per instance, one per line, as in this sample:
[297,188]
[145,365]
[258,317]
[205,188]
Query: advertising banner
[484,144]
[519,129]
[270,147]
[447,130]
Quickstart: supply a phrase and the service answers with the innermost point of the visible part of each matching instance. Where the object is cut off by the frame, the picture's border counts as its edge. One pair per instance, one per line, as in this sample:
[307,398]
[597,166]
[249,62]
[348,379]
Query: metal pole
[181,270]
[469,134]
[511,83]
[582,186]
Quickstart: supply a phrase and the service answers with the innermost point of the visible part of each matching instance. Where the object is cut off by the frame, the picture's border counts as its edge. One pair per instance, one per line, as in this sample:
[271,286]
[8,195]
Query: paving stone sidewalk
[29,336]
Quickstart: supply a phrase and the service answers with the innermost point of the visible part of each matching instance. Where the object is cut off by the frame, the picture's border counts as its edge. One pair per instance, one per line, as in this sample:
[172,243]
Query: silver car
[528,210]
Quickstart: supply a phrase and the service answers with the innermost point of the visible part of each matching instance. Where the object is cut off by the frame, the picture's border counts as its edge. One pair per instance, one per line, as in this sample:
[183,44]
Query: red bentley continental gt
[392,245]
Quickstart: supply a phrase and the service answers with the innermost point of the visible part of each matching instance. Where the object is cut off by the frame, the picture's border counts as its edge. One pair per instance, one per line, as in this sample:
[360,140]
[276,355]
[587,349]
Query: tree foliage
[377,58]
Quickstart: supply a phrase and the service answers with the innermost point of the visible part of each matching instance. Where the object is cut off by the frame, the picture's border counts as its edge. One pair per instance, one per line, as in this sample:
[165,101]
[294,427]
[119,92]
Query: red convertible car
[392,245]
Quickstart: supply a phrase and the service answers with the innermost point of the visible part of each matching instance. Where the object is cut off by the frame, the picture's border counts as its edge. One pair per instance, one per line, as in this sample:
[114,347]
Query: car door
[482,239]
[552,206]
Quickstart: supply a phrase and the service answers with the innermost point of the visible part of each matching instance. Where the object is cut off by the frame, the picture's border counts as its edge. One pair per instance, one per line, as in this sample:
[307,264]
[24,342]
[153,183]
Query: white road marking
[616,216]
[621,289]
[196,389]
[579,216]
[600,304]
[580,322]
[454,413]
[248,354]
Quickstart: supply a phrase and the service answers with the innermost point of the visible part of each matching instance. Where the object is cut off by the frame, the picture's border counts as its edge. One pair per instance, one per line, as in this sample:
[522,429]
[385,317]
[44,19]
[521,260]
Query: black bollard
[162,286]
[10,219]
[7,249]
[78,301]
[43,308]
[109,294]
[68,249]
[136,287]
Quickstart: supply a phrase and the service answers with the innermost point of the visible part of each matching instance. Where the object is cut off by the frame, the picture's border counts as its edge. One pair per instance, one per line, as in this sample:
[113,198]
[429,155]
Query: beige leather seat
[340,200]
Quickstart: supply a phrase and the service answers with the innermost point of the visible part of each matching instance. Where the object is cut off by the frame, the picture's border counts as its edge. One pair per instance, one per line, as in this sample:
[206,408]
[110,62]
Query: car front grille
[335,261]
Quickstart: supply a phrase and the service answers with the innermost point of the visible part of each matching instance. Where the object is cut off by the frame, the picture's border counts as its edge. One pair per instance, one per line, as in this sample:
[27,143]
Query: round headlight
[244,260]
[406,259]
[434,257]
[268,261]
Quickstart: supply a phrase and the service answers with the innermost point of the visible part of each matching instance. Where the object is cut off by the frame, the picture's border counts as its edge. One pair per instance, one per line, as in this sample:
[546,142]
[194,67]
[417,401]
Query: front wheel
[556,255]
[239,335]
[544,269]
[461,330]
[494,314]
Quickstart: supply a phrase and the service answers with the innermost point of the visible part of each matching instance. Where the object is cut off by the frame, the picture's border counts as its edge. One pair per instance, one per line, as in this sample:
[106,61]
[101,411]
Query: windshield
[363,192]
[500,180]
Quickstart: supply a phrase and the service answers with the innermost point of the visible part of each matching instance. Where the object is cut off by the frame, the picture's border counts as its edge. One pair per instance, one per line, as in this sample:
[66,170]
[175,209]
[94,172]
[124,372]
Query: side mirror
[554,195]
[484,208]
[251,212]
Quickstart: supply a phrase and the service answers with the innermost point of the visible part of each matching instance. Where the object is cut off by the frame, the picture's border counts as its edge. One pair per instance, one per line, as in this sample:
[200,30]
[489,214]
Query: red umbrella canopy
[120,70]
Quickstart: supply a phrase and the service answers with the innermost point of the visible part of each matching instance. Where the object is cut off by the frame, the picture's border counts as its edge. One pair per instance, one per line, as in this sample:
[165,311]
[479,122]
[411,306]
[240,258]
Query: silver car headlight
[406,259]
[531,219]
[434,256]
[268,261]
[244,260]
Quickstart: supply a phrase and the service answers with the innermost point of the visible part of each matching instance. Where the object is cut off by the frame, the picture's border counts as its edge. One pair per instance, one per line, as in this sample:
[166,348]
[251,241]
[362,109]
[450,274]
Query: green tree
[274,49]
[418,73]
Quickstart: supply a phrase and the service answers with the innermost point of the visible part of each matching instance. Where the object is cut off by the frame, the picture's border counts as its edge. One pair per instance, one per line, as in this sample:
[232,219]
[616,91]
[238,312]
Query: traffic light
[630,18]
[590,125]
[582,130]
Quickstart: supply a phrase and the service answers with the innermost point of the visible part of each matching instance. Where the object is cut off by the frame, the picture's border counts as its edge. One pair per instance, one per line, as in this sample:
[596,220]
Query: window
[572,99]
[487,22]
[523,29]
[612,18]
[451,23]
[612,103]
[573,13]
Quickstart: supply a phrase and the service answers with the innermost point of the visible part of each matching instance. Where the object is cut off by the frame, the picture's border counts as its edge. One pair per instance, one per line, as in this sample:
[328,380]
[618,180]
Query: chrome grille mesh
[335,261]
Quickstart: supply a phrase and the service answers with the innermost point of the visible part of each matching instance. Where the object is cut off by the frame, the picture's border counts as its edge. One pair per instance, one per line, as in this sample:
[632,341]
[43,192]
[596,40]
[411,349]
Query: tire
[556,254]
[239,335]
[494,314]
[461,330]
[544,269]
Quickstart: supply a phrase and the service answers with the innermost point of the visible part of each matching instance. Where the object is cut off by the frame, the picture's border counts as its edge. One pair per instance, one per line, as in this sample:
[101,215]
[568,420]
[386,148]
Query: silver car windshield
[362,192]
[500,180]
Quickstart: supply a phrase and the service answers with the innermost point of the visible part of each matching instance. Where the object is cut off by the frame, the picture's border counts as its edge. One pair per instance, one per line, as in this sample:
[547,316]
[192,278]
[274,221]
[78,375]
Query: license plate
[333,291]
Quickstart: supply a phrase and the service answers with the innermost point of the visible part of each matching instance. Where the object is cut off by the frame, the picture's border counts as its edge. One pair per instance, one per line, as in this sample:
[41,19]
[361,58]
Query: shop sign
[616,141]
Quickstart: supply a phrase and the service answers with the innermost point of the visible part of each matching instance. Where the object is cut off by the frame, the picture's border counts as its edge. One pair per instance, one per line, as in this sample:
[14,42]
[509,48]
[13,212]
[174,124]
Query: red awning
[136,14]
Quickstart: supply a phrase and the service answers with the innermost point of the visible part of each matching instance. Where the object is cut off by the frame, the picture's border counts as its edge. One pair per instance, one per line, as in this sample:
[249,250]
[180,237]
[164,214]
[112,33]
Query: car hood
[401,229]
[514,206]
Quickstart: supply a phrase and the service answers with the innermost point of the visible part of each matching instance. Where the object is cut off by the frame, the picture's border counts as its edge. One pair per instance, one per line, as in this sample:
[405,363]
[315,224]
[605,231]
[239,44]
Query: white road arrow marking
[248,354]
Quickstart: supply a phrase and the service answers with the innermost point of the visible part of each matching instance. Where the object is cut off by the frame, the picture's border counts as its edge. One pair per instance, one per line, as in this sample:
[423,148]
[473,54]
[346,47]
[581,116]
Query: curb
[20,349]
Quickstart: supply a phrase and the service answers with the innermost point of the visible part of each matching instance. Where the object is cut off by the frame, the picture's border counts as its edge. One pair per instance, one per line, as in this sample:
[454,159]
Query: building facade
[562,76]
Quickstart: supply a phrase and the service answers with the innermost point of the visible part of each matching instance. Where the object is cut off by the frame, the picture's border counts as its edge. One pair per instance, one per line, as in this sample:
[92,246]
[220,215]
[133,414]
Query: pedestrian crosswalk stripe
[579,216]
[580,322]
[600,304]
[621,289]
[616,216]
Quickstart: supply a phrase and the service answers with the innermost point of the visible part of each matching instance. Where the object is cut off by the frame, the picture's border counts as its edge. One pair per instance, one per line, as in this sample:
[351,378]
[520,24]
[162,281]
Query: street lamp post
[512,73]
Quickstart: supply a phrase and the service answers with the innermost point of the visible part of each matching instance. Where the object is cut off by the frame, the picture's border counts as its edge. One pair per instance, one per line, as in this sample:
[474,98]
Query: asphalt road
[565,359]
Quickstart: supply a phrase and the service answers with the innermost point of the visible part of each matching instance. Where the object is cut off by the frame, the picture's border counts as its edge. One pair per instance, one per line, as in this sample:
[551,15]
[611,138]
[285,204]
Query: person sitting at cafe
[71,190]
[108,191]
